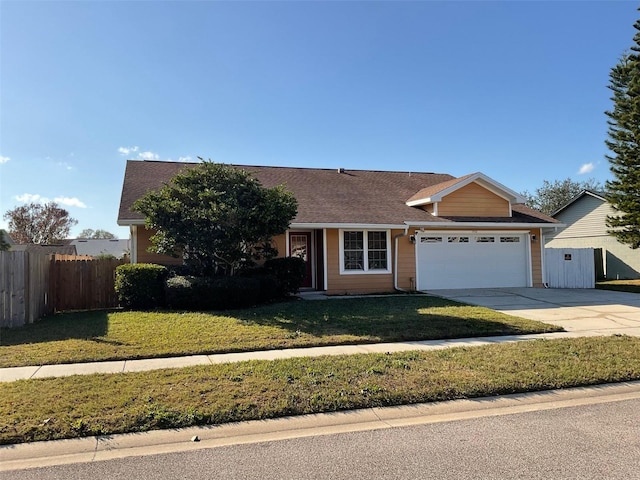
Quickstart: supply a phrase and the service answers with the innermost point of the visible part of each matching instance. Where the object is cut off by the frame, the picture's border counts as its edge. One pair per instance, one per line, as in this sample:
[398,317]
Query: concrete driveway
[588,312]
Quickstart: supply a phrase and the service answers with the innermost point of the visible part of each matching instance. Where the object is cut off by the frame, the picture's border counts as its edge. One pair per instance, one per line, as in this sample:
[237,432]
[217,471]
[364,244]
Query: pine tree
[623,192]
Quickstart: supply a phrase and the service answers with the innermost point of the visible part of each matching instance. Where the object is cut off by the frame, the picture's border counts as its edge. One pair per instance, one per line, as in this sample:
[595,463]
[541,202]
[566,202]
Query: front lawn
[632,286]
[116,335]
[46,409]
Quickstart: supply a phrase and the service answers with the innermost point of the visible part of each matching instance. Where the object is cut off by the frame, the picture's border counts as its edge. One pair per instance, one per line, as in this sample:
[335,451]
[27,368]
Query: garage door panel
[478,261]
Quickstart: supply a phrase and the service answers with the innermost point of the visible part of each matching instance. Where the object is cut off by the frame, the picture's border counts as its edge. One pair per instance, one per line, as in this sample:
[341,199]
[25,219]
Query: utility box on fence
[570,267]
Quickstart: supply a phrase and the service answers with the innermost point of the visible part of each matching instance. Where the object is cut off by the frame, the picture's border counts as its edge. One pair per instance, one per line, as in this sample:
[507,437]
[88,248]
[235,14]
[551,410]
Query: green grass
[114,335]
[45,409]
[632,286]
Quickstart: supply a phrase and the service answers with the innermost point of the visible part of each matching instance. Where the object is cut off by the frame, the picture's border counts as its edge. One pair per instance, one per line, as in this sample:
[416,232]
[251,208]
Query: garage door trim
[526,235]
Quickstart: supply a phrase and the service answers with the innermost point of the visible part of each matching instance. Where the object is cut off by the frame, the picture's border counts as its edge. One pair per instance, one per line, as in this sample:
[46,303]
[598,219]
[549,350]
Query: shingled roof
[325,196]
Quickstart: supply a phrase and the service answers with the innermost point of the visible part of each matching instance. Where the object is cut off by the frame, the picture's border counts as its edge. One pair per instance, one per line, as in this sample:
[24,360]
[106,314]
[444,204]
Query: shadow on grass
[619,287]
[358,320]
[78,325]
[388,319]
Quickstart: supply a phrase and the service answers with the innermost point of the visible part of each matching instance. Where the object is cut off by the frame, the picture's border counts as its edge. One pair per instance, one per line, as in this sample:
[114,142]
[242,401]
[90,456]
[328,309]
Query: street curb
[101,448]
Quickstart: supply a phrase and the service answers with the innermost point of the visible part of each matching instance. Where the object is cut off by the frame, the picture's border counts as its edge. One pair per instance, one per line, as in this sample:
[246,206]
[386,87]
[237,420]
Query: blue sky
[514,89]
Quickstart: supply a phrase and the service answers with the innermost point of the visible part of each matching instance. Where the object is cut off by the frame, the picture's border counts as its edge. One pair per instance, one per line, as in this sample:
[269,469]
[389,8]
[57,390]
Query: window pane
[377,250]
[353,260]
[353,241]
[377,260]
[377,240]
[353,250]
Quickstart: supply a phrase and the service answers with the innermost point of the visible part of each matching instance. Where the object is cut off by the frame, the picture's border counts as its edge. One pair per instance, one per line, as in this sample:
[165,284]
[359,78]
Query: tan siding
[279,242]
[144,242]
[536,258]
[406,261]
[354,283]
[473,201]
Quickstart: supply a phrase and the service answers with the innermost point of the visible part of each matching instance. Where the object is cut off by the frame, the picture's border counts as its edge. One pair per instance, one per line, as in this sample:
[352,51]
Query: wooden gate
[570,267]
[82,283]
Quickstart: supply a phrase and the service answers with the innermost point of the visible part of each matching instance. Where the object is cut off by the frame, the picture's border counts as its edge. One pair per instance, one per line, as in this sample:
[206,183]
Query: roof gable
[436,193]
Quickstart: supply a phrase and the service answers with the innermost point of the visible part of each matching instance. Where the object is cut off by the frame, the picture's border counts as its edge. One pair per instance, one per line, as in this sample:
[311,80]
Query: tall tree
[623,192]
[39,223]
[219,217]
[96,234]
[551,196]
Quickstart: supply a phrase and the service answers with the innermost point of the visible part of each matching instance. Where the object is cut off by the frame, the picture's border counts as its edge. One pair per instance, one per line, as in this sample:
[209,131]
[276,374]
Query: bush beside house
[141,285]
[149,286]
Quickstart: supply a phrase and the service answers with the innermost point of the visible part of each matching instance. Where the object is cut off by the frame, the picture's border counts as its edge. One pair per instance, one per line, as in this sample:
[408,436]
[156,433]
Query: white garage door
[483,260]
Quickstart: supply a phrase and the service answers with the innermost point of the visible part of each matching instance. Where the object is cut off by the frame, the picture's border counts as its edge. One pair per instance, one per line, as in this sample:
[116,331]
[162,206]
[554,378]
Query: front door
[300,246]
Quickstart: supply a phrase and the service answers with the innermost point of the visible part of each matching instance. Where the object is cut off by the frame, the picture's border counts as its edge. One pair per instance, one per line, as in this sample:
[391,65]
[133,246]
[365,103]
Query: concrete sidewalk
[122,366]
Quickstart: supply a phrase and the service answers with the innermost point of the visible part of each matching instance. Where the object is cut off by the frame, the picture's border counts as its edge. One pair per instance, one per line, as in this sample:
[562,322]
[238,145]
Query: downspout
[395,263]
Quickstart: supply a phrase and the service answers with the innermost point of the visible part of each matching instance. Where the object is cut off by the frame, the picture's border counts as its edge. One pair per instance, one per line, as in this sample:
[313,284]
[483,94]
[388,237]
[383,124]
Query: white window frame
[365,238]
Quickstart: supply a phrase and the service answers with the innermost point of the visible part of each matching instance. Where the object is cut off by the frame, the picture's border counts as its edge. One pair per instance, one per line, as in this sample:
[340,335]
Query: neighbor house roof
[593,193]
[99,246]
[325,196]
[45,249]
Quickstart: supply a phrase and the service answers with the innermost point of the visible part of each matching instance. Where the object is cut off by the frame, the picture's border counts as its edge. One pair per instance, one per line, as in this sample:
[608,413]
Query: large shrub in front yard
[140,285]
[289,271]
[219,218]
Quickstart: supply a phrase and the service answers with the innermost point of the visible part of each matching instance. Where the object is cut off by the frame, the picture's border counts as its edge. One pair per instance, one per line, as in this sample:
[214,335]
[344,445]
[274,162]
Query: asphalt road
[599,441]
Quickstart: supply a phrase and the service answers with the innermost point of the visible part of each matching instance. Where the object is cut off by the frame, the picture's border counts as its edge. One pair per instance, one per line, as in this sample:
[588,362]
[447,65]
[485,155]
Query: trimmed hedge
[146,286]
[218,293]
[140,285]
[289,271]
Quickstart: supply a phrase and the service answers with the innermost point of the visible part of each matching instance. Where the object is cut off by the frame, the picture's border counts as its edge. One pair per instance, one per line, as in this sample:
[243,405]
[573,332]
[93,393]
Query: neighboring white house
[585,220]
[95,247]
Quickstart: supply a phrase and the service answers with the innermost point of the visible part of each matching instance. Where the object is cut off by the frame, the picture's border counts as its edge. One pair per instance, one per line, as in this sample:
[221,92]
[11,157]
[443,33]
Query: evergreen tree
[623,192]
[219,217]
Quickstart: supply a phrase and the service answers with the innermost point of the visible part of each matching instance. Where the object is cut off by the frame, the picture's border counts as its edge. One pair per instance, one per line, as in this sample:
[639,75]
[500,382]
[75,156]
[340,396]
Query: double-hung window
[365,251]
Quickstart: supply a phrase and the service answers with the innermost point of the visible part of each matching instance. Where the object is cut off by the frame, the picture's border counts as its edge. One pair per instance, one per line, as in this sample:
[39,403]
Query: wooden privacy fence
[33,285]
[24,288]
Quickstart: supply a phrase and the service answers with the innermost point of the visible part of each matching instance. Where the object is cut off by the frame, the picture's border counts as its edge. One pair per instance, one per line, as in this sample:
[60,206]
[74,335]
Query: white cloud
[4,159]
[127,150]
[37,198]
[70,202]
[31,198]
[586,168]
[184,159]
[148,156]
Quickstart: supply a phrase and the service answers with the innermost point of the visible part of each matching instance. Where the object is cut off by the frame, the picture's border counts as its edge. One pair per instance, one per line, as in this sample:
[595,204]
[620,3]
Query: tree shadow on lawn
[383,319]
[86,325]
